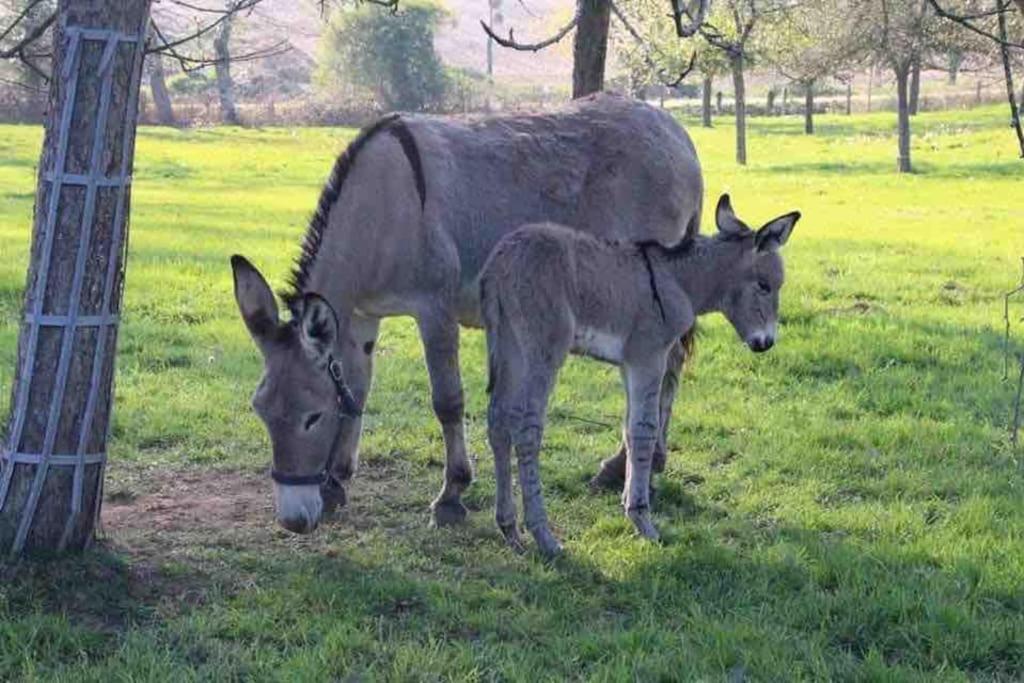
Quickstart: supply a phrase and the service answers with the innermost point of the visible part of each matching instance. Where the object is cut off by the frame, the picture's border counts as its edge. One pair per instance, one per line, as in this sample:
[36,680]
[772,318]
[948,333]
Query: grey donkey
[406,220]
[548,291]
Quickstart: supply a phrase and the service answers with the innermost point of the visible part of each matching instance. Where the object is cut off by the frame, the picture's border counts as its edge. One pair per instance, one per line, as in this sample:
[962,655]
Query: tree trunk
[956,58]
[849,96]
[705,102]
[590,47]
[222,68]
[718,106]
[741,110]
[770,101]
[871,83]
[51,480]
[1004,52]
[158,86]
[915,87]
[903,117]
[809,107]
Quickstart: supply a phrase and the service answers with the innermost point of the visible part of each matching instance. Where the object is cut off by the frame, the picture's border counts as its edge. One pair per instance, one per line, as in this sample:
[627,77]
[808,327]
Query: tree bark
[741,109]
[956,58]
[809,107]
[51,467]
[158,87]
[590,47]
[1004,53]
[915,87]
[902,71]
[705,102]
[222,68]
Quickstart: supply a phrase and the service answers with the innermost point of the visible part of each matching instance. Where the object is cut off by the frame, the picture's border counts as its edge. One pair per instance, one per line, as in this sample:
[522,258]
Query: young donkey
[547,291]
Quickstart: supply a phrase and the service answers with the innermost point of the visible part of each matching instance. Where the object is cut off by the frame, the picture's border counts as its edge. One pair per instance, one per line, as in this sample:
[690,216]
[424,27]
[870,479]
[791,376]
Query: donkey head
[751,297]
[297,398]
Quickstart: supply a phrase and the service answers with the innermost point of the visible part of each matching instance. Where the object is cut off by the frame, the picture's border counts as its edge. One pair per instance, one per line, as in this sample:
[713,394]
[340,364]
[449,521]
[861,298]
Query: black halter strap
[347,408]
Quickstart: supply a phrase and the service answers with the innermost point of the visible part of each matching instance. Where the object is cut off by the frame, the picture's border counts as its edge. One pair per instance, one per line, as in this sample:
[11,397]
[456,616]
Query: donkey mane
[298,279]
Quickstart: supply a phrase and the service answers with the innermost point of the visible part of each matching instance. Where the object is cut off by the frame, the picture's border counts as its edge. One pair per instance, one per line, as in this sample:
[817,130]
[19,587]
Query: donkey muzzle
[299,508]
[760,342]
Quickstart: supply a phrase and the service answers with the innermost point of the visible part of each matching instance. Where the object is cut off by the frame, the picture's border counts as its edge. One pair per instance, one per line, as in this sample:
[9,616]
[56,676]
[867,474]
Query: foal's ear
[318,328]
[725,218]
[255,300]
[775,232]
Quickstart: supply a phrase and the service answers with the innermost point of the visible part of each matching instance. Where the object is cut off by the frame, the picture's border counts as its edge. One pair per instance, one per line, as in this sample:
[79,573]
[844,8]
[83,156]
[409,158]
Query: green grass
[846,507]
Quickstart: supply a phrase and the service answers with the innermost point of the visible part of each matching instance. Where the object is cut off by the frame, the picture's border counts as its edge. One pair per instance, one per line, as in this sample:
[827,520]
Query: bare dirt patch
[193,501]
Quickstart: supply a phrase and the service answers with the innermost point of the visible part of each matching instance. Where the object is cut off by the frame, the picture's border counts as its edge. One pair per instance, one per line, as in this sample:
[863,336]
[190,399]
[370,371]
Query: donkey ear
[318,329]
[255,300]
[725,217]
[775,232]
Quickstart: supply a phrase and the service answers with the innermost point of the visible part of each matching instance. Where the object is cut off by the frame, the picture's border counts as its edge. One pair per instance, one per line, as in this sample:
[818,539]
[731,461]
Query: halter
[346,409]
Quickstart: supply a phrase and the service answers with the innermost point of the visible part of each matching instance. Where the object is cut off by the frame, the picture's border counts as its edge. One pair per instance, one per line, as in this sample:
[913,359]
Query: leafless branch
[18,19]
[511,42]
[189,64]
[695,18]
[32,36]
[223,15]
[968,21]
[648,59]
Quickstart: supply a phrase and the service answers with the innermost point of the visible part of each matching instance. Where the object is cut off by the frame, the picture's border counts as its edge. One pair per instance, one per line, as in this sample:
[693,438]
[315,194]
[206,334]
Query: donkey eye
[764,287]
[312,420]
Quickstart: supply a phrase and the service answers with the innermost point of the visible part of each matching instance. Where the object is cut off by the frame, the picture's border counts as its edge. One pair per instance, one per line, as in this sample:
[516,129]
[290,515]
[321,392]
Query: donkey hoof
[334,497]
[512,538]
[447,512]
[644,526]
[547,544]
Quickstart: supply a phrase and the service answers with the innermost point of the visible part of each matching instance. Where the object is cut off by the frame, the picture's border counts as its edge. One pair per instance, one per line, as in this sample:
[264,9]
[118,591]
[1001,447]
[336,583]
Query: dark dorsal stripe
[412,153]
[654,281]
[311,243]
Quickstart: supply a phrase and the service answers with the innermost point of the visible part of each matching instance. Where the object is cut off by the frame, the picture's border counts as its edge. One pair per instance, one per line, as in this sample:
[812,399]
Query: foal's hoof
[333,495]
[512,538]
[447,513]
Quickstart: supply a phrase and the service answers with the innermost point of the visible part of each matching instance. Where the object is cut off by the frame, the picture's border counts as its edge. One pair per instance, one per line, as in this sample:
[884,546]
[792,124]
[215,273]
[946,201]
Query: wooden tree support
[61,405]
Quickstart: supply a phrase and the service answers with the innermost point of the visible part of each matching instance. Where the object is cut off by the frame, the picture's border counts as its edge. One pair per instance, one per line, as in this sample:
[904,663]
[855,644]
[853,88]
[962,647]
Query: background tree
[591,22]
[810,42]
[731,30]
[158,89]
[388,57]
[222,66]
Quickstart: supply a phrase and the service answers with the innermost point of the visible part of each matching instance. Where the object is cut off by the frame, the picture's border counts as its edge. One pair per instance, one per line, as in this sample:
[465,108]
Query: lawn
[845,507]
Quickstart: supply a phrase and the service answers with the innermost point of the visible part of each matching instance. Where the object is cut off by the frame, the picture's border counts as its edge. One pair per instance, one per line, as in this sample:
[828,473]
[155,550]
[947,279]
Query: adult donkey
[405,222]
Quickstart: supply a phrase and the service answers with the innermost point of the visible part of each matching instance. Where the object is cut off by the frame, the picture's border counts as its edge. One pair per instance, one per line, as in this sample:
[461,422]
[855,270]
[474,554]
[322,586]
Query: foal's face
[295,398]
[751,300]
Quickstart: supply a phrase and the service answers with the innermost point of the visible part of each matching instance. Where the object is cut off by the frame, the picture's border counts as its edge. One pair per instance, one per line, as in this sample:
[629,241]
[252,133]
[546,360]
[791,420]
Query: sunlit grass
[844,507]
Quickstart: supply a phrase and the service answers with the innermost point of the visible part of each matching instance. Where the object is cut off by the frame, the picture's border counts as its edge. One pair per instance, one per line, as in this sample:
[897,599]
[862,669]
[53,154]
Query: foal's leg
[532,408]
[440,333]
[643,387]
[612,474]
[506,367]
[357,363]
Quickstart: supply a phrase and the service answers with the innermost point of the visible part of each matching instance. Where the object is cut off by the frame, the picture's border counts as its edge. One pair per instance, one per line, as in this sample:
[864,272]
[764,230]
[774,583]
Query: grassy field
[846,507]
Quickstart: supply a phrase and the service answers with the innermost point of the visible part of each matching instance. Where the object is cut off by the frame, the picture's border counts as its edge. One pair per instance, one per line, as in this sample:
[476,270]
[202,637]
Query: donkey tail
[490,311]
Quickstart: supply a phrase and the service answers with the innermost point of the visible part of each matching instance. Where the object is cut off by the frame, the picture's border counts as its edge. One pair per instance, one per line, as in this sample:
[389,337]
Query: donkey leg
[533,404]
[643,387]
[612,473]
[357,365]
[439,331]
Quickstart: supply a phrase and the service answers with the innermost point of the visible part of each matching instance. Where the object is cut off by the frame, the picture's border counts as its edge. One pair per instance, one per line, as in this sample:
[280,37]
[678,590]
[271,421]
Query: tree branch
[32,36]
[967,21]
[651,64]
[695,19]
[511,42]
